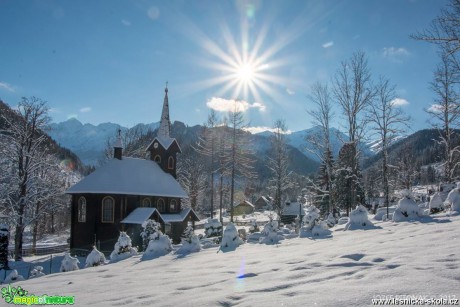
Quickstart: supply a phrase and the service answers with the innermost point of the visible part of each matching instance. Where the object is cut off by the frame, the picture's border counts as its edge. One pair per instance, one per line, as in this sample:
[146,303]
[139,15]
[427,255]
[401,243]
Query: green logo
[18,296]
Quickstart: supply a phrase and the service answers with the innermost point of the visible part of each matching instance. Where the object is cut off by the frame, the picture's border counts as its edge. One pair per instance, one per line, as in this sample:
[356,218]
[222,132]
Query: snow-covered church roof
[129,176]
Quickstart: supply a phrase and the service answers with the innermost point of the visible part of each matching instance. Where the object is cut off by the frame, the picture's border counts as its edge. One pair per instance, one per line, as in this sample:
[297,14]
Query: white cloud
[437,108]
[54,110]
[153,12]
[6,86]
[328,44]
[395,52]
[259,129]
[85,110]
[226,105]
[289,91]
[126,22]
[399,102]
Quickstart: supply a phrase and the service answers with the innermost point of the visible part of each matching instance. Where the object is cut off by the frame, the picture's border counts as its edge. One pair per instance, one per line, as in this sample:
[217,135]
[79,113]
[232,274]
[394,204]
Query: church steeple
[118,147]
[163,148]
[165,124]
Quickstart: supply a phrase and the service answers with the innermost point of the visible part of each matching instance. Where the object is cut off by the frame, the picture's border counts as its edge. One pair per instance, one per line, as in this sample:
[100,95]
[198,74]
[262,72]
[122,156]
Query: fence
[40,251]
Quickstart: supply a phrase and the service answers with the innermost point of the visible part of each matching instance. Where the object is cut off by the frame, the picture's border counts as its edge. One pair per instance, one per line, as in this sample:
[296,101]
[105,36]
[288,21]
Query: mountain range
[89,141]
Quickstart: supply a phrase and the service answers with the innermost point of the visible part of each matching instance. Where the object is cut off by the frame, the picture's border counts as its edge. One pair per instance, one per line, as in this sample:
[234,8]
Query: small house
[290,211]
[263,203]
[244,207]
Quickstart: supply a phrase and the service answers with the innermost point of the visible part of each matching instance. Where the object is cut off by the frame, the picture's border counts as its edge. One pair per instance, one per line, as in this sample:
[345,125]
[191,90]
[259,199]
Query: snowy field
[348,269]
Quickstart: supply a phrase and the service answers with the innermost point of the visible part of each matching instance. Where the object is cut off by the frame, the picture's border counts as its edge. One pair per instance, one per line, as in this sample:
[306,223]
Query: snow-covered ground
[350,268]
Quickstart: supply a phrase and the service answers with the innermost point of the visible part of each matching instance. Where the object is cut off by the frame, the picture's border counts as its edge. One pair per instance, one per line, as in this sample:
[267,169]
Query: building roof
[292,209]
[179,217]
[139,216]
[129,176]
[245,203]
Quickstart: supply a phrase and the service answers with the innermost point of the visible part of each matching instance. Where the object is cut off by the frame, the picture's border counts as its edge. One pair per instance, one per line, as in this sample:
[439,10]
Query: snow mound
[358,219]
[230,240]
[69,263]
[254,227]
[313,226]
[37,271]
[95,258]
[406,210]
[270,233]
[343,220]
[13,277]
[190,242]
[123,248]
[212,228]
[159,246]
[381,213]
[436,203]
[453,199]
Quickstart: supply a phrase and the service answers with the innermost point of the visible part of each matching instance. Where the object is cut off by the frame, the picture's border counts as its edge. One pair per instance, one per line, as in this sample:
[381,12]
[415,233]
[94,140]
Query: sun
[245,73]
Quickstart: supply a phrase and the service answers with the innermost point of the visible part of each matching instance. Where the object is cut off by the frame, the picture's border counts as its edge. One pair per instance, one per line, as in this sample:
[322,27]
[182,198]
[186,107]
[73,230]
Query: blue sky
[108,61]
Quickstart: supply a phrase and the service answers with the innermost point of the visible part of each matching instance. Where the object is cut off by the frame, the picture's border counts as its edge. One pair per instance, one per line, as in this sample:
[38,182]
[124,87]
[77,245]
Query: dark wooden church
[125,192]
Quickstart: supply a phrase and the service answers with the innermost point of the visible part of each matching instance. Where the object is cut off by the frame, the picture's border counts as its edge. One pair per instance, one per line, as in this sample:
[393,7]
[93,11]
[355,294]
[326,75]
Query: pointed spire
[165,125]
[118,143]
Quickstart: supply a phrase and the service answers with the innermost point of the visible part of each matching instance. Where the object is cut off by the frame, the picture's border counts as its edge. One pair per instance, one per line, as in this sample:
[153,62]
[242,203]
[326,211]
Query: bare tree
[388,121]
[278,163]
[192,176]
[207,146]
[26,153]
[354,92]
[322,115]
[134,141]
[446,111]
[445,29]
[240,162]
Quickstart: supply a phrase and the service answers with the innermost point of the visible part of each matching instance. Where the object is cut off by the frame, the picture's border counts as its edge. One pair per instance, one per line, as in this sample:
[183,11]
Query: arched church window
[108,208]
[146,202]
[157,159]
[82,209]
[171,163]
[161,205]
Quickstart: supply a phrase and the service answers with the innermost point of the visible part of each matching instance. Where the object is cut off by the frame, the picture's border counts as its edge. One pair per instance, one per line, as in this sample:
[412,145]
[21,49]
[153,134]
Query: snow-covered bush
[436,203]
[151,229]
[406,209]
[358,219]
[311,218]
[37,272]
[321,229]
[13,277]
[190,242]
[453,199]
[331,221]
[69,263]
[212,228]
[158,247]
[254,227]
[343,220]
[381,213]
[230,238]
[270,233]
[313,226]
[123,248]
[95,258]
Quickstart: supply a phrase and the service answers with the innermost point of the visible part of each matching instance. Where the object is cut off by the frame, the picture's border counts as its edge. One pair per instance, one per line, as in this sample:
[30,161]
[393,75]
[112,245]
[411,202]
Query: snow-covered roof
[129,176]
[178,217]
[292,209]
[166,142]
[139,216]
[245,203]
